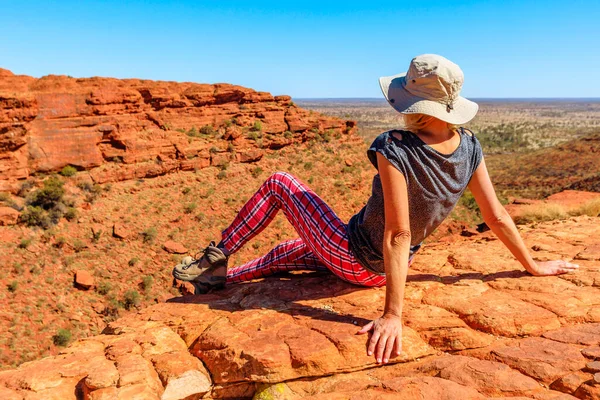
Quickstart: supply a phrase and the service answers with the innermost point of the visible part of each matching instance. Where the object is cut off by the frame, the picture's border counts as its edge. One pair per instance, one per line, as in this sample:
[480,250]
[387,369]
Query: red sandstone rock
[542,359]
[8,216]
[119,231]
[84,279]
[571,382]
[173,247]
[138,128]
[593,366]
[591,352]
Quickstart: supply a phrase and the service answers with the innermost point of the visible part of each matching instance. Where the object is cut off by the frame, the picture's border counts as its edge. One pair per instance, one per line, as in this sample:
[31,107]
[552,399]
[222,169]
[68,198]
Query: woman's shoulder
[393,136]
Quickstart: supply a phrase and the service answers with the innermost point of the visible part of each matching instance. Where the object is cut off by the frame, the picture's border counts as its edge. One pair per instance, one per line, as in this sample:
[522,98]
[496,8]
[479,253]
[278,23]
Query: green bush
[149,235]
[104,288]
[189,208]
[50,195]
[62,337]
[131,299]
[147,283]
[208,130]
[257,126]
[35,216]
[71,213]
[46,205]
[256,172]
[193,132]
[12,287]
[68,171]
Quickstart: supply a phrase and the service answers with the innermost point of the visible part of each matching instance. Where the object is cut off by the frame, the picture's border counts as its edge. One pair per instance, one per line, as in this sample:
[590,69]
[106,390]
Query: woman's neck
[437,129]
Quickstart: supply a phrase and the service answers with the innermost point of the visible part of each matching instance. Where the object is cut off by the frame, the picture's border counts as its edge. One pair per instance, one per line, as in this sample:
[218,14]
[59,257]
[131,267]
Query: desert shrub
[78,245]
[4,196]
[193,132]
[149,234]
[68,171]
[288,134]
[308,165]
[18,268]
[96,234]
[208,130]
[131,299]
[25,188]
[46,205]
[257,126]
[253,135]
[35,270]
[222,175]
[24,243]
[186,190]
[49,195]
[189,208]
[327,136]
[256,172]
[60,241]
[133,261]
[104,288]
[62,337]
[93,191]
[71,213]
[591,208]
[12,287]
[147,283]
[540,213]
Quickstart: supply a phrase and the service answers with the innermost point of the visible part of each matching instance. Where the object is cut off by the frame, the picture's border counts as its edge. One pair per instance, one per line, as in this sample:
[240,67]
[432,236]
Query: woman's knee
[280,176]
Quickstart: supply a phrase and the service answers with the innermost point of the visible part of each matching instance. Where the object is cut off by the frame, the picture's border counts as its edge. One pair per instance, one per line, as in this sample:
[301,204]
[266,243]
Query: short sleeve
[477,154]
[389,147]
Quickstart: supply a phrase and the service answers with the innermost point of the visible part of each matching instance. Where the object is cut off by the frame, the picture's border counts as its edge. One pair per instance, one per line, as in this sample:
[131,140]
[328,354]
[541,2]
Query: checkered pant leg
[287,256]
[321,231]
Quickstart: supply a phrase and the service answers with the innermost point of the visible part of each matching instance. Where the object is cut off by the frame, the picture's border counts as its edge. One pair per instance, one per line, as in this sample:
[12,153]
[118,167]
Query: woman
[423,171]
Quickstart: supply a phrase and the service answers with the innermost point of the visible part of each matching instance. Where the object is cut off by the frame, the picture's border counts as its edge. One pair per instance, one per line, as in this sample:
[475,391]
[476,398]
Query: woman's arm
[500,222]
[387,330]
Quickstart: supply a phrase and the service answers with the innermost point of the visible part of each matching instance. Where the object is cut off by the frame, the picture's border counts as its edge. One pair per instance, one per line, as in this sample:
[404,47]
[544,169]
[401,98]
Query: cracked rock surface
[476,327]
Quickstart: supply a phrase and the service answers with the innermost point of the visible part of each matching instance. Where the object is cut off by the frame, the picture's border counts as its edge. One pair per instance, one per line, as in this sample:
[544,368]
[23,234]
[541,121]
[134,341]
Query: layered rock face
[132,128]
[476,327]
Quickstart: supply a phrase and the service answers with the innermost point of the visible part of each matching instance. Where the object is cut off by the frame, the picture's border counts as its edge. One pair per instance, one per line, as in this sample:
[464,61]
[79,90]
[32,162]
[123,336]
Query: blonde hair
[417,122]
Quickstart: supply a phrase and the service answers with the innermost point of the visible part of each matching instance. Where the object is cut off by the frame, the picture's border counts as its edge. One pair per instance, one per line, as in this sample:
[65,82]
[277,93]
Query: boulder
[84,280]
[173,247]
[8,216]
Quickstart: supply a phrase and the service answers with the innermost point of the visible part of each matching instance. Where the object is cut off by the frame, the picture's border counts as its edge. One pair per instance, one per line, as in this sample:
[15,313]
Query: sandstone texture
[132,128]
[476,327]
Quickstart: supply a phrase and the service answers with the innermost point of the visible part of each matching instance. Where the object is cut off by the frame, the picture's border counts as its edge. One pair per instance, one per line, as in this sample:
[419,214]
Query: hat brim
[406,103]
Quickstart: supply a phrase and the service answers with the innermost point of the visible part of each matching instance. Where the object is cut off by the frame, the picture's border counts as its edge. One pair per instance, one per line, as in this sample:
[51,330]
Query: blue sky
[506,48]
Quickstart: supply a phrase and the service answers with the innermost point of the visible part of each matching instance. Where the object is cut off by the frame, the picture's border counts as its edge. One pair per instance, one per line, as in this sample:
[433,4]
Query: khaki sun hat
[431,86]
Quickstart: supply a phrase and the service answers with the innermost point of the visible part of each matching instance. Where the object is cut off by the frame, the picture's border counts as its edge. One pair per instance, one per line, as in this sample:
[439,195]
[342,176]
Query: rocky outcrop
[132,128]
[476,327]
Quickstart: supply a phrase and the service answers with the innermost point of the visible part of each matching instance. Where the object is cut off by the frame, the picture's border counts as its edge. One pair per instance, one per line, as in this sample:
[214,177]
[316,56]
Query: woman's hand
[556,267]
[386,338]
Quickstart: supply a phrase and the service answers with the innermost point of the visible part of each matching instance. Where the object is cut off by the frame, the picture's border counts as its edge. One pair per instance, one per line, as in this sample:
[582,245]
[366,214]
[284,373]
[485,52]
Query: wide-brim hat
[431,86]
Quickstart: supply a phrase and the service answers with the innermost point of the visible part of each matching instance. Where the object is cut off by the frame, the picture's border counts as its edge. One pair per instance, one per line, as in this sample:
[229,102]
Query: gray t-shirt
[435,182]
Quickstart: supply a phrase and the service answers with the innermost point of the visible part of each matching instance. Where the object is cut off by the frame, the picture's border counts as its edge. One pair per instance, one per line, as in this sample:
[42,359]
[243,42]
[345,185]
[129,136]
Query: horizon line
[472,98]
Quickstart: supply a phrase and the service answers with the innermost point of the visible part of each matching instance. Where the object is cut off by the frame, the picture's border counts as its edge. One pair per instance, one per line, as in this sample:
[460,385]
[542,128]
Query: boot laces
[198,256]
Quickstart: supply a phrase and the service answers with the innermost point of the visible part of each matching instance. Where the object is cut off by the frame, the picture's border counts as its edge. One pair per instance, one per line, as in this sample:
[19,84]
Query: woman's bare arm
[387,330]
[500,222]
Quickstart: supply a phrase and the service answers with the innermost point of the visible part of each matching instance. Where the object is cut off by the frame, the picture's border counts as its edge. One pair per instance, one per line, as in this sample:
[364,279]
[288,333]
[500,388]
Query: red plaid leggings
[323,241]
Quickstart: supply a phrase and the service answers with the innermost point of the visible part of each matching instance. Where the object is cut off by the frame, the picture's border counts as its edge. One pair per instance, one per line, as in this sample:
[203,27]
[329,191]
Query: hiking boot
[205,273]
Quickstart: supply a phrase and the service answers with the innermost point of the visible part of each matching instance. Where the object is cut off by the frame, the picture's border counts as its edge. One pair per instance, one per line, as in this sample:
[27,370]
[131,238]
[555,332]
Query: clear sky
[506,48]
